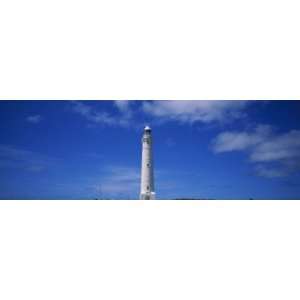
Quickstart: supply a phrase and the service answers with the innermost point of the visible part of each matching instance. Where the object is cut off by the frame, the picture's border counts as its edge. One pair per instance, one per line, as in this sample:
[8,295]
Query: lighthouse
[147,178]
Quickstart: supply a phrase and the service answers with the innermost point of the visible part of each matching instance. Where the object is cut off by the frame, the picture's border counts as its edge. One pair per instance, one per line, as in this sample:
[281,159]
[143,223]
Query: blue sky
[202,149]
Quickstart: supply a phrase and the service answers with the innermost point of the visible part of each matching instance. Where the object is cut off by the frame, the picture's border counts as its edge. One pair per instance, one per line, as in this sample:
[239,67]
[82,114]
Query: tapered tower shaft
[147,177]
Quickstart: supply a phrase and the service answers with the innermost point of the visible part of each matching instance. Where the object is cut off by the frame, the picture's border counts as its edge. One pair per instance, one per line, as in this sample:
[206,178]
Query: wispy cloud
[123,182]
[91,114]
[34,119]
[274,155]
[13,157]
[161,111]
[196,111]
[119,181]
[125,107]
[236,140]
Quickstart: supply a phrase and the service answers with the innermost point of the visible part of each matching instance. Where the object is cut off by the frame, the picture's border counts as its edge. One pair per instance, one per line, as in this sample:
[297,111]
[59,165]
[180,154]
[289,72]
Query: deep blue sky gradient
[66,156]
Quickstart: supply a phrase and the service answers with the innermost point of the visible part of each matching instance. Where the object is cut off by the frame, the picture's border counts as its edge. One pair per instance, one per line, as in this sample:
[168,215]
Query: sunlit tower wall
[147,178]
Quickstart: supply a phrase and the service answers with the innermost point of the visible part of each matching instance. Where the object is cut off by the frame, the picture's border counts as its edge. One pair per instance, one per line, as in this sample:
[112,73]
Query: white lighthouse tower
[147,178]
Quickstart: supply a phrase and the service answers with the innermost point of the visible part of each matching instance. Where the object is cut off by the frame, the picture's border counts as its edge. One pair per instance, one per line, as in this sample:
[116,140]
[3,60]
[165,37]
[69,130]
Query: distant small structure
[147,177]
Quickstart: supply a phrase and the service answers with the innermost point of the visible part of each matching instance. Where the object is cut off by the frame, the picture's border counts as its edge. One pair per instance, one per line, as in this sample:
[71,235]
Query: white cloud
[34,119]
[182,111]
[285,146]
[124,107]
[193,111]
[103,117]
[270,172]
[275,155]
[233,141]
[91,115]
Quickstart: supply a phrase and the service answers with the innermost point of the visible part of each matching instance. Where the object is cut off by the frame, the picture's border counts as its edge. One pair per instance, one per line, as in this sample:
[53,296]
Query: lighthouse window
[147,187]
[148,165]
